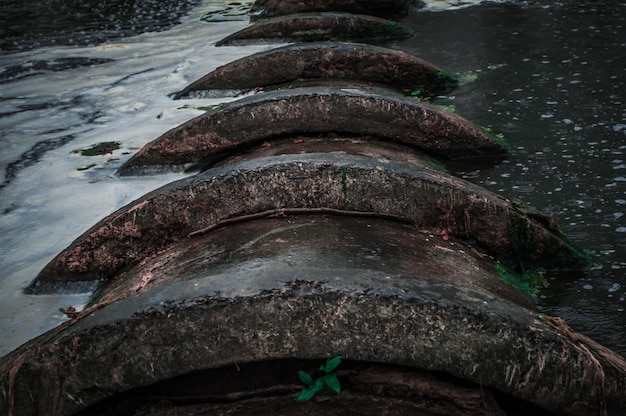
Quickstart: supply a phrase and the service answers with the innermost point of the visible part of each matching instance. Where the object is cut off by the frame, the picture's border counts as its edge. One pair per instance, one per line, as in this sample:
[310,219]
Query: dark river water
[551,77]
[28,24]
[548,75]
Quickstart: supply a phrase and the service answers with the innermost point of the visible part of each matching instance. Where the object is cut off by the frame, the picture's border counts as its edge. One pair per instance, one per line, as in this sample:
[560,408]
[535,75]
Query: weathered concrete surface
[349,145]
[349,61]
[317,27]
[330,181]
[400,320]
[315,111]
[316,247]
[271,8]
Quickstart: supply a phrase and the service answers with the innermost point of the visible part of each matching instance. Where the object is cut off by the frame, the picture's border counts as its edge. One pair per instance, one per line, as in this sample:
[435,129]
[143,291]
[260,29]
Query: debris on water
[615,287]
[98,149]
[86,167]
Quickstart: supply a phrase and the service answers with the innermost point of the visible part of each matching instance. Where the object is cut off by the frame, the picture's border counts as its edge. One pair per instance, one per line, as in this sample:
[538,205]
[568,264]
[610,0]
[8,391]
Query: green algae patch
[466,78]
[448,78]
[387,30]
[497,137]
[529,283]
[448,107]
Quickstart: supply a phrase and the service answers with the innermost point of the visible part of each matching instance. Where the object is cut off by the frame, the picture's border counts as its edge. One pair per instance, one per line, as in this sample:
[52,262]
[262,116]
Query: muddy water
[550,76]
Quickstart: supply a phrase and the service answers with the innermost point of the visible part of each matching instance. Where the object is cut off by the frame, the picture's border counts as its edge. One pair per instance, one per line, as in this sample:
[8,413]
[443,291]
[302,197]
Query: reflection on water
[55,100]
[551,76]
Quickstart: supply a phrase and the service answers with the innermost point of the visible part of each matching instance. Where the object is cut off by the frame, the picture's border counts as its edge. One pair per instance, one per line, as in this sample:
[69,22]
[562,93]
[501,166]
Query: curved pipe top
[317,27]
[326,60]
[315,111]
[427,198]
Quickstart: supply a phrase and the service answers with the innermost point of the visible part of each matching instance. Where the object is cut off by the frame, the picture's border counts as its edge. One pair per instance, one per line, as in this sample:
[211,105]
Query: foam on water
[50,195]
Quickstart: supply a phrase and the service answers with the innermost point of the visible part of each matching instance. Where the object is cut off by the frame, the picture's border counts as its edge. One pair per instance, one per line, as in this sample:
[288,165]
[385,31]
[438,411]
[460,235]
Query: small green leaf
[331,364]
[309,392]
[332,382]
[305,378]
[306,394]
[319,383]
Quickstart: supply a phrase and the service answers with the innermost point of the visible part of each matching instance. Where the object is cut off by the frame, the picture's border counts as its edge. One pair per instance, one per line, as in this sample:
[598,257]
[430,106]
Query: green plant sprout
[448,107]
[328,381]
[418,93]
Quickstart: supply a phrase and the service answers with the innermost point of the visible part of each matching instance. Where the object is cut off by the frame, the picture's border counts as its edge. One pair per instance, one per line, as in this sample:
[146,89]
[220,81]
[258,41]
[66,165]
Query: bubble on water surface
[525,188]
[470,175]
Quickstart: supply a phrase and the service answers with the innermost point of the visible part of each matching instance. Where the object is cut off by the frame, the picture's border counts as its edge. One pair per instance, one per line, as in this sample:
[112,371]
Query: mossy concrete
[250,256]
[316,110]
[315,181]
[414,322]
[349,61]
[316,27]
